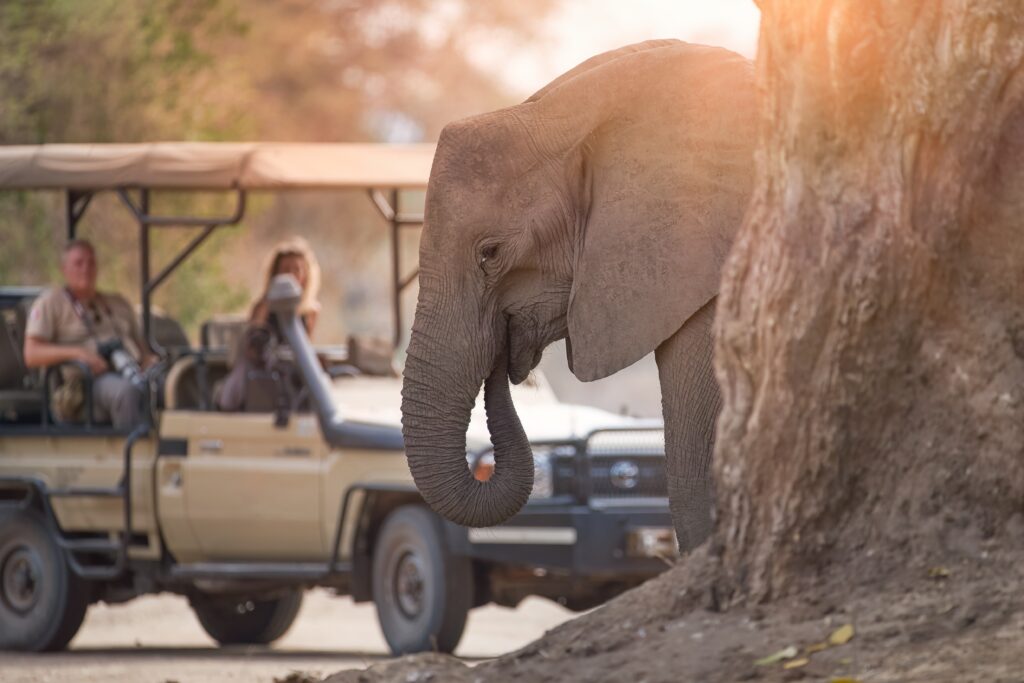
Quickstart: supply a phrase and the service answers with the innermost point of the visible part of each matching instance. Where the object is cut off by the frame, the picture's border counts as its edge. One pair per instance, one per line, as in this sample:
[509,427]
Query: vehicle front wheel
[42,602]
[232,620]
[422,592]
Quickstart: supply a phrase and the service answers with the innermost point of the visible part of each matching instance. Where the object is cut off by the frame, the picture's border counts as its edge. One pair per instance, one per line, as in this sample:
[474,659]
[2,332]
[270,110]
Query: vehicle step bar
[117,550]
[88,492]
[90,545]
[97,572]
[300,571]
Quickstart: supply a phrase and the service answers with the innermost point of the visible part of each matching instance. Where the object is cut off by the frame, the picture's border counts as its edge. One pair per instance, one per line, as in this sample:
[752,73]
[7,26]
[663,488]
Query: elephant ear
[667,175]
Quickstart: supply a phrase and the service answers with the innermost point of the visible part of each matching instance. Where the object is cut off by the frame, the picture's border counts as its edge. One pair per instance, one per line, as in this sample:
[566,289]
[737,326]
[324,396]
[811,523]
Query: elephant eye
[488,253]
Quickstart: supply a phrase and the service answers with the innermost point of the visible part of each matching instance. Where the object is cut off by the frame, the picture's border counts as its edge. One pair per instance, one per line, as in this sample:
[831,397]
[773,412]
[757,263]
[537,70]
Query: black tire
[422,592]
[42,602]
[234,620]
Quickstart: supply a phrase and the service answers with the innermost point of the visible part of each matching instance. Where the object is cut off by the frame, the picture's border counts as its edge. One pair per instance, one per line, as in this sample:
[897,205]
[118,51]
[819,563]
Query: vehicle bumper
[577,539]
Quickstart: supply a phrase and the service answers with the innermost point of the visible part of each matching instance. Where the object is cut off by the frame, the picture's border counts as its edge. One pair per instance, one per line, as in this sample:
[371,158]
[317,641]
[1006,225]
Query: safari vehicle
[241,512]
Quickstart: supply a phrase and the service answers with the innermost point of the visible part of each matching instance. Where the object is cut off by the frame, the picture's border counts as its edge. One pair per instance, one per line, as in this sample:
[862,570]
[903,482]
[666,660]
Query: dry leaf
[788,653]
[842,635]
[796,663]
[938,573]
[816,647]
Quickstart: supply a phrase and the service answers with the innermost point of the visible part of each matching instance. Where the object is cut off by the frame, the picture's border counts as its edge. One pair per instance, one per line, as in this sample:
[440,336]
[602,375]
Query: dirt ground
[156,639]
[958,622]
[957,619]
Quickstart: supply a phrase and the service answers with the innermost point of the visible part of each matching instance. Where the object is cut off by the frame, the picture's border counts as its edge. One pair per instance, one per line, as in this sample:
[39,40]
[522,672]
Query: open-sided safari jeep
[241,512]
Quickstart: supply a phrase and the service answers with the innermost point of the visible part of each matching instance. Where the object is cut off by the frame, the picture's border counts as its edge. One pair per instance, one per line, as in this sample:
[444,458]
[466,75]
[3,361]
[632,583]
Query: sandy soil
[156,639]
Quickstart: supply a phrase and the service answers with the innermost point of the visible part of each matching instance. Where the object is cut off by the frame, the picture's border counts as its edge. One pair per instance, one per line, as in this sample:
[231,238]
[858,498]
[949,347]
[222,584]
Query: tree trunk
[871,323]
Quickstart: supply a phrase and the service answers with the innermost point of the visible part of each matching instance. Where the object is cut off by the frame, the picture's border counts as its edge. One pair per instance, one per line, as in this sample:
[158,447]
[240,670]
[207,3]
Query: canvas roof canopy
[81,170]
[215,166]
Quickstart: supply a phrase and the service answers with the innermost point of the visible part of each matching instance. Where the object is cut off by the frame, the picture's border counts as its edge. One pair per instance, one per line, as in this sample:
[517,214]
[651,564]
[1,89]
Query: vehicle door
[243,488]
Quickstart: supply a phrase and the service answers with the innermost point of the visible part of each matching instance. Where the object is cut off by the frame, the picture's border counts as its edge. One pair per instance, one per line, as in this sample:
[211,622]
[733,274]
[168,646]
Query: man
[69,323]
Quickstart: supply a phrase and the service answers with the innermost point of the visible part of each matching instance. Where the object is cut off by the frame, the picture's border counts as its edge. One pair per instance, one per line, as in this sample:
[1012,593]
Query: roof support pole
[76,204]
[146,223]
[389,209]
[396,265]
[144,267]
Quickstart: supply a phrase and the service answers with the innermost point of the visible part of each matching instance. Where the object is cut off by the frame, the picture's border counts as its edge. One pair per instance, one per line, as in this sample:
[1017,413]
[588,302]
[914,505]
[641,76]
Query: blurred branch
[309,70]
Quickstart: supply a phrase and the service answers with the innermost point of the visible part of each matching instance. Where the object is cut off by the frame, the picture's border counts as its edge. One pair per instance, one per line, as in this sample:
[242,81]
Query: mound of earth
[959,621]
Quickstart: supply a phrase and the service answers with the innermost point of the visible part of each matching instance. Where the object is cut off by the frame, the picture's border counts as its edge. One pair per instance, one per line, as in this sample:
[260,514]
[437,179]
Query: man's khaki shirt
[53,319]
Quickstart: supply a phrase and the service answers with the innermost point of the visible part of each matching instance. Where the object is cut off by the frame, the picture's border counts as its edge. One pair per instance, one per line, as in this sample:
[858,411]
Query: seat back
[372,355]
[190,382]
[264,392]
[168,332]
[19,401]
[223,332]
[13,373]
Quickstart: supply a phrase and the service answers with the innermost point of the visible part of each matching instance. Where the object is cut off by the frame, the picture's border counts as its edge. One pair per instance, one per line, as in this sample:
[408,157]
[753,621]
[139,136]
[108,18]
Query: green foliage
[106,70]
[25,233]
[303,70]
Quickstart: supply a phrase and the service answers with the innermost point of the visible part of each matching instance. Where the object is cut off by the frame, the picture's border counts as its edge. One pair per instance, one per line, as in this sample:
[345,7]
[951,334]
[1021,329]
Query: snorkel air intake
[283,300]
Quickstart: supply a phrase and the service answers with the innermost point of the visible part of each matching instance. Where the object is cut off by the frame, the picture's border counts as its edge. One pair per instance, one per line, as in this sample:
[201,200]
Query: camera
[122,362]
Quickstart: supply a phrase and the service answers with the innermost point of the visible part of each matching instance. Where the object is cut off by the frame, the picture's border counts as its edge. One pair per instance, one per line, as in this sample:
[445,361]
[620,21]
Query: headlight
[482,466]
[543,478]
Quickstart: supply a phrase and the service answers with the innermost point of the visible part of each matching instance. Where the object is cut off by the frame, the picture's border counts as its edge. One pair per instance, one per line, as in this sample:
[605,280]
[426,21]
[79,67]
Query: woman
[290,257]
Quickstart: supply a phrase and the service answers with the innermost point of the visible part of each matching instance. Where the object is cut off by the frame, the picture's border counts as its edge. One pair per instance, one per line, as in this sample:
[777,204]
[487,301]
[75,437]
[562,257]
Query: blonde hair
[295,246]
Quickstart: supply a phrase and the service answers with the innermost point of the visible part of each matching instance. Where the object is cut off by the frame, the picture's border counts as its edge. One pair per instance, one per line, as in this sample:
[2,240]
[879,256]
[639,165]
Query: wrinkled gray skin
[601,210]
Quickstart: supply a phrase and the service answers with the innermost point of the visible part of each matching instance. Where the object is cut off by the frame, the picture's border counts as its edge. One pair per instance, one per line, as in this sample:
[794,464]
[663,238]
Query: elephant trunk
[435,416]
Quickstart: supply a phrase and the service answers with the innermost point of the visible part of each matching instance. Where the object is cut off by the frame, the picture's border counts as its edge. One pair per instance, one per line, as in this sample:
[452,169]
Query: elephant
[600,210]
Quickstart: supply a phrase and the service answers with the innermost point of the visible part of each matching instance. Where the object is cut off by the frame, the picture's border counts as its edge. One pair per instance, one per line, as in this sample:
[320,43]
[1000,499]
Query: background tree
[279,70]
[871,326]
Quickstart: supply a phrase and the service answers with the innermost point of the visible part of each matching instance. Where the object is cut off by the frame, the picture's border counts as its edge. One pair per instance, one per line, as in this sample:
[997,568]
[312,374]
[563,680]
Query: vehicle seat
[168,332]
[264,392]
[223,332]
[189,384]
[20,399]
[371,355]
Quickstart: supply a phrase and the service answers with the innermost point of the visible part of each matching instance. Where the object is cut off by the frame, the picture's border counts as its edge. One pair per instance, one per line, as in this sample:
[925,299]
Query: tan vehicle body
[247,490]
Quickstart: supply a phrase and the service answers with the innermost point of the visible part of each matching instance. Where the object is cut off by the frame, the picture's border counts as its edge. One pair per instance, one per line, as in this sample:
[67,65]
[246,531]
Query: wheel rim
[21,582]
[409,584]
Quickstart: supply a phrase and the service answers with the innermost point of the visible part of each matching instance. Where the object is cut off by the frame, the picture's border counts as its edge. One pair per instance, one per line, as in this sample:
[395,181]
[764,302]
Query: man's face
[79,269]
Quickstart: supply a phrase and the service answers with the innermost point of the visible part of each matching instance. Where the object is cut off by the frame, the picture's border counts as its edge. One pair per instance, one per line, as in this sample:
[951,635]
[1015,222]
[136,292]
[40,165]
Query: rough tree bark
[871,323]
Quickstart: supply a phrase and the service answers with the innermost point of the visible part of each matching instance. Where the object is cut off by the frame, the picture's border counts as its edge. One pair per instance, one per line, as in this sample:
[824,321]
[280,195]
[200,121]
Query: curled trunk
[435,416]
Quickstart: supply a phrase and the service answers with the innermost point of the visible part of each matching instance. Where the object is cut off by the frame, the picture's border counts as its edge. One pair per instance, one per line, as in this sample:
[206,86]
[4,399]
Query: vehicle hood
[378,400]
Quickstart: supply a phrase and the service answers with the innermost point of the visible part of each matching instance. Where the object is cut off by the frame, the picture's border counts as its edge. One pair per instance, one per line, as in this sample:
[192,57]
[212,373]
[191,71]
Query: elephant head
[601,210]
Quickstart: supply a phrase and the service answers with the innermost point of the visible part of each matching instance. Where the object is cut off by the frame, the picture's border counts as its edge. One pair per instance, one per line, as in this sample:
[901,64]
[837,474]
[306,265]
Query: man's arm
[148,358]
[40,353]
